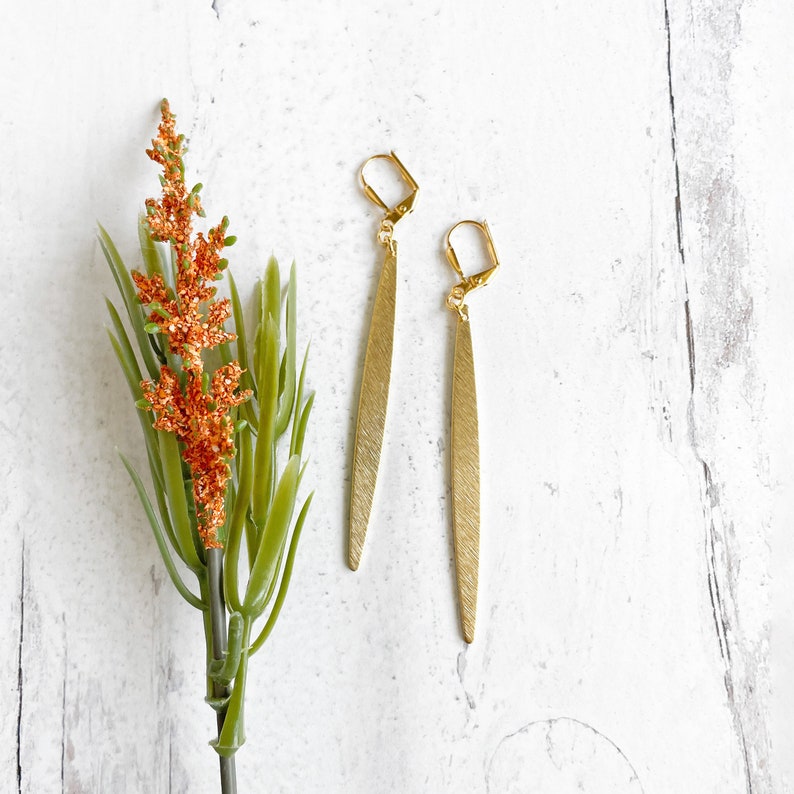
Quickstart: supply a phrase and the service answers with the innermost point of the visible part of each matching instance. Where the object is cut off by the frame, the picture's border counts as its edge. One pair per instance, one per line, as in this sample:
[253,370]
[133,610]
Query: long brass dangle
[465,445]
[374,395]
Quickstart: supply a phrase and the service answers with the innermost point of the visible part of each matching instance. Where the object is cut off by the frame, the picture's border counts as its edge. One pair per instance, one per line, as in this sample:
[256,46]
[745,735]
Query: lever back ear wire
[374,395]
[465,445]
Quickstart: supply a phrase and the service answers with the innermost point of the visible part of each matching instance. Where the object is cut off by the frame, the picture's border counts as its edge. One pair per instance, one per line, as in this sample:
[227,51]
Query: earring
[374,395]
[464,446]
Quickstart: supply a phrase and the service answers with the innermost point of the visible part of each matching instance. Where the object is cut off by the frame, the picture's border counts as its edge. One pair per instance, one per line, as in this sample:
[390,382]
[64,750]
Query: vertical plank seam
[170,757]
[679,226]
[63,706]
[19,669]
[709,496]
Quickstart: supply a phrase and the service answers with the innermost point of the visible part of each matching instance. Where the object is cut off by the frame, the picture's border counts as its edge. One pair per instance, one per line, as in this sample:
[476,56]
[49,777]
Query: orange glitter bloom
[198,413]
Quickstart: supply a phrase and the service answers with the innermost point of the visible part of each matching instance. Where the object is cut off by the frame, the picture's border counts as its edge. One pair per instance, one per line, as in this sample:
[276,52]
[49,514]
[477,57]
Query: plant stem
[219,639]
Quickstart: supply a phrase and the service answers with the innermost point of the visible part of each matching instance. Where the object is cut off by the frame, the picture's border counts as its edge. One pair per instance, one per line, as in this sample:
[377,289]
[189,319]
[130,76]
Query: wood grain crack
[716,566]
[720,611]
[461,670]
[63,708]
[19,669]
[679,226]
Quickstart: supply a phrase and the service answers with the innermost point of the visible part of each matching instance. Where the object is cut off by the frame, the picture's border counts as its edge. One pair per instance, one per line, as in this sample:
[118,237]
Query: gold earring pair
[374,396]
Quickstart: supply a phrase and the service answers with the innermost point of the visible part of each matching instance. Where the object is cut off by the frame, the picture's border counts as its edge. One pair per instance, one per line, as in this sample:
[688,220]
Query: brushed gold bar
[373,400]
[372,405]
[465,478]
[465,439]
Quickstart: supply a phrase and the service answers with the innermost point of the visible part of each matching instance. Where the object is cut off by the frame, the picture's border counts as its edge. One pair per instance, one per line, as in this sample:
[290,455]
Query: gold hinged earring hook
[456,300]
[403,208]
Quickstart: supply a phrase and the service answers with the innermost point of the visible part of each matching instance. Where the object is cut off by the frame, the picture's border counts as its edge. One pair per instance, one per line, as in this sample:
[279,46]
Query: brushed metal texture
[465,478]
[372,406]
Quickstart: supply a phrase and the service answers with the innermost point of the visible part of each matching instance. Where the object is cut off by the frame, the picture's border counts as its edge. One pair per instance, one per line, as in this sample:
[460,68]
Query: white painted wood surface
[633,158]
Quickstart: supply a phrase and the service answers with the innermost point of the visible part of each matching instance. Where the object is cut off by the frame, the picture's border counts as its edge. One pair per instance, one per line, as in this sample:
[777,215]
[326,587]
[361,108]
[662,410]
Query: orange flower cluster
[197,414]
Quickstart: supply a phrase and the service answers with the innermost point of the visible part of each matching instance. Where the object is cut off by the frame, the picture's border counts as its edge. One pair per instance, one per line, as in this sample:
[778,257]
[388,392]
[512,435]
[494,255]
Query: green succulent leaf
[177,500]
[232,735]
[303,424]
[130,298]
[287,401]
[223,671]
[181,587]
[271,293]
[218,704]
[268,401]
[237,522]
[298,402]
[272,540]
[246,381]
[286,576]
[149,251]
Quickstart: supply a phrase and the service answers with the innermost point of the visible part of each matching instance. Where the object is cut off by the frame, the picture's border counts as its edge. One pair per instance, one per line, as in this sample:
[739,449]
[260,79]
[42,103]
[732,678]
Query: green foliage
[261,496]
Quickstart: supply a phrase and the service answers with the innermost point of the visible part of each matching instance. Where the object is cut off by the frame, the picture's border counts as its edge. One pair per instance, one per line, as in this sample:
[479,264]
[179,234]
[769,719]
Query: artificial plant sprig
[214,417]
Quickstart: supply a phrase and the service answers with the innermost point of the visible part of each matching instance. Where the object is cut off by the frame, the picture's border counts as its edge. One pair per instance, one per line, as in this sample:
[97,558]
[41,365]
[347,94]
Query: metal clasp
[393,214]
[456,300]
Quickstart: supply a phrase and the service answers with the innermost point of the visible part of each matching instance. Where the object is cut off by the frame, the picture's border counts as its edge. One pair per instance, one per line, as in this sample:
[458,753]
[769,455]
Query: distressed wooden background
[633,158]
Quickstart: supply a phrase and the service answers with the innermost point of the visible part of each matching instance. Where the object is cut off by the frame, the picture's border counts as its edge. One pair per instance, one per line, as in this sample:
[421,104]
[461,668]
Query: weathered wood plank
[623,356]
[723,284]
